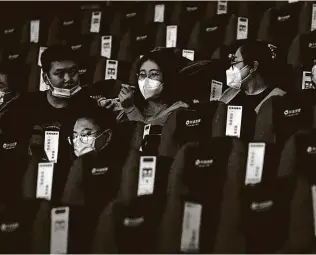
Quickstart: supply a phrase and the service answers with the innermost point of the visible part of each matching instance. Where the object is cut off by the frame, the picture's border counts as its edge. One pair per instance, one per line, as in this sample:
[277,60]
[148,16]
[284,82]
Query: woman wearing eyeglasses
[250,76]
[157,93]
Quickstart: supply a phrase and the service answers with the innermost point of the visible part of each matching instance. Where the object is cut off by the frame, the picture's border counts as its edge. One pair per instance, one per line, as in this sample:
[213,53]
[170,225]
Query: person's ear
[45,78]
[103,140]
[108,135]
[254,68]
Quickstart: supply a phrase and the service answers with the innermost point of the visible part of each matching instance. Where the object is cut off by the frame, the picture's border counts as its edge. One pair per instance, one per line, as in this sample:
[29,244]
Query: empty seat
[207,35]
[142,194]
[87,67]
[105,45]
[111,69]
[301,58]
[297,160]
[137,42]
[202,213]
[279,25]
[280,117]
[142,145]
[14,145]
[159,12]
[16,226]
[203,80]
[56,229]
[11,31]
[128,227]
[15,60]
[35,30]
[107,88]
[234,120]
[244,23]
[64,26]
[93,20]
[306,22]
[81,45]
[265,199]
[132,15]
[186,125]
[189,16]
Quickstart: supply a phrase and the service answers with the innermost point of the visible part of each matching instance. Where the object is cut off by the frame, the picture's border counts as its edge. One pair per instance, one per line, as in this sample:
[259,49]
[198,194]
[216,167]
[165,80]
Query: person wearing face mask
[250,78]
[55,110]
[95,174]
[157,93]
[99,154]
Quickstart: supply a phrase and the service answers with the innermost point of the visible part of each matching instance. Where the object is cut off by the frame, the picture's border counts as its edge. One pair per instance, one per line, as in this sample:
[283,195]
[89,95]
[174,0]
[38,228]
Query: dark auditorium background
[157,127]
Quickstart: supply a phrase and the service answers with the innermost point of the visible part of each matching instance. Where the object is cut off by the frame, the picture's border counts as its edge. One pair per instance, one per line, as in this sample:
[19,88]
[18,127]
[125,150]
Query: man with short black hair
[60,73]
[54,110]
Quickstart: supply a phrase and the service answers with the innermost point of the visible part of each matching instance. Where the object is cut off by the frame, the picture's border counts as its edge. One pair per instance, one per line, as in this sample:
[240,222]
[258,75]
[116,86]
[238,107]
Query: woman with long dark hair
[158,91]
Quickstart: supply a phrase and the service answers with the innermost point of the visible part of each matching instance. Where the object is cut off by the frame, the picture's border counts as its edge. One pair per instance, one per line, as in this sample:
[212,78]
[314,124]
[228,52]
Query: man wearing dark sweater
[53,110]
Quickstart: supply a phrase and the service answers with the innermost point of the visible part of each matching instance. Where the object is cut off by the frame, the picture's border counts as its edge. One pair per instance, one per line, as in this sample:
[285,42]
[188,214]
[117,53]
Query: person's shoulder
[21,102]
[82,99]
[83,95]
[28,98]
[278,92]
[179,104]
[229,94]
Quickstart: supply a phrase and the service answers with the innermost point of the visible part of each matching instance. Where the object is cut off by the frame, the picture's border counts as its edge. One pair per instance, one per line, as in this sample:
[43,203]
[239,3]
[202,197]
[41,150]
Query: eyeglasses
[233,63]
[233,60]
[84,138]
[236,62]
[154,75]
[3,94]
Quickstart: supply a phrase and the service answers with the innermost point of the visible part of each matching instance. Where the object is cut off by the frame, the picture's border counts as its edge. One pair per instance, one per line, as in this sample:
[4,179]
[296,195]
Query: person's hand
[96,97]
[126,96]
[106,103]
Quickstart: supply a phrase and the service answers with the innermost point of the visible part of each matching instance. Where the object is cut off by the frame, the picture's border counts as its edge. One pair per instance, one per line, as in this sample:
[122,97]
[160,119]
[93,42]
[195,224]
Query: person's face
[63,74]
[88,136]
[239,63]
[84,132]
[150,80]
[151,70]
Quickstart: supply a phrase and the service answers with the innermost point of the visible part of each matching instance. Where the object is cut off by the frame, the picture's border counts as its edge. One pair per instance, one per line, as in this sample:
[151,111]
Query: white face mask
[314,74]
[233,77]
[150,88]
[2,95]
[63,93]
[81,148]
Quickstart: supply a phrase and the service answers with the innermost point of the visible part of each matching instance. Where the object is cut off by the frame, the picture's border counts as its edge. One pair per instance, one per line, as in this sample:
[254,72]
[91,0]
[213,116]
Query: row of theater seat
[116,20]
[287,26]
[198,171]
[213,179]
